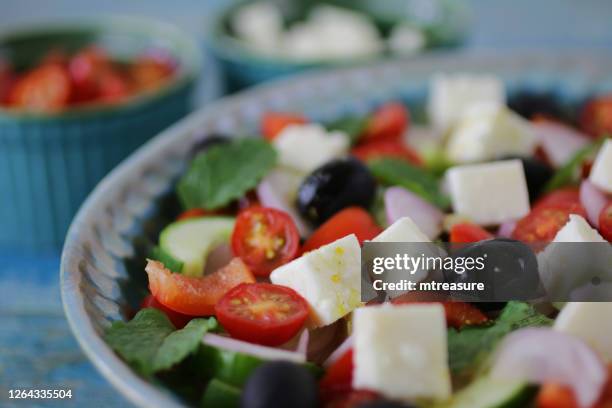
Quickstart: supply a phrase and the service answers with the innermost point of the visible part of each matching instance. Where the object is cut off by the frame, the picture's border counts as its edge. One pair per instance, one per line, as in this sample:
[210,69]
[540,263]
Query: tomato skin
[569,195]
[44,89]
[605,222]
[179,320]
[350,399]
[351,220]
[386,148]
[339,376]
[262,313]
[458,314]
[84,68]
[467,232]
[552,395]
[265,238]
[195,296]
[389,122]
[544,221]
[596,116]
[148,72]
[273,123]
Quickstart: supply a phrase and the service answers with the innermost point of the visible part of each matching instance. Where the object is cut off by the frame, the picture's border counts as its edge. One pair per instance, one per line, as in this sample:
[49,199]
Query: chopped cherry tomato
[44,89]
[389,122]
[179,320]
[468,232]
[112,86]
[386,148]
[149,72]
[554,395]
[352,220]
[596,116]
[262,313]
[569,195]
[458,314]
[84,68]
[339,375]
[195,296]
[605,222]
[351,399]
[7,79]
[544,221]
[265,238]
[273,123]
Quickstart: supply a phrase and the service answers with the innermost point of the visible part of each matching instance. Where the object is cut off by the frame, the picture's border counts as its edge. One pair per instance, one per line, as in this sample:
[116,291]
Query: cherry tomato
[265,238]
[351,399]
[7,79]
[84,68]
[351,220]
[569,195]
[468,232]
[596,116]
[149,72]
[112,86]
[458,314]
[605,222]
[179,320]
[553,395]
[339,375]
[262,313]
[44,89]
[389,122]
[544,221]
[273,123]
[195,296]
[386,148]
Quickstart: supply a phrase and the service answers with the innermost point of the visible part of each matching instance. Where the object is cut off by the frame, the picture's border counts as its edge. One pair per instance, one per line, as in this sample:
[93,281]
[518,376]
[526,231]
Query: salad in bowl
[255,287]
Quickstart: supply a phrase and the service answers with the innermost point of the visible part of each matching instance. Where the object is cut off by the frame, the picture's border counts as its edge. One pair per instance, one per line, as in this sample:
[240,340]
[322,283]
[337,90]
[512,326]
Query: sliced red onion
[559,142]
[269,196]
[400,202]
[593,200]
[506,229]
[541,355]
[302,345]
[262,352]
[339,352]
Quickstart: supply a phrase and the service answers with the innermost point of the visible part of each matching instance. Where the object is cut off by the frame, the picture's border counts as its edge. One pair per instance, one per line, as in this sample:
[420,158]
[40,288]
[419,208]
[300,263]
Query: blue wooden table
[37,349]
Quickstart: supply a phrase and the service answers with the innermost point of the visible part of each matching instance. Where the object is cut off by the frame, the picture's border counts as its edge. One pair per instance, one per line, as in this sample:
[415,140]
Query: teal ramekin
[50,162]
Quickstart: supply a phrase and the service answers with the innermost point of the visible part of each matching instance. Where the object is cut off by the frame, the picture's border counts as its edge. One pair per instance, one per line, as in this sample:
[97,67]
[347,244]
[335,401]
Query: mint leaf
[353,126]
[395,172]
[567,173]
[138,340]
[468,347]
[178,345]
[225,172]
[168,260]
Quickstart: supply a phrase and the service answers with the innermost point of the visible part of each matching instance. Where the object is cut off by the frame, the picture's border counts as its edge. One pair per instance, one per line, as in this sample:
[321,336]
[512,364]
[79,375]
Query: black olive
[509,272]
[207,142]
[336,185]
[529,104]
[280,384]
[382,403]
[537,174]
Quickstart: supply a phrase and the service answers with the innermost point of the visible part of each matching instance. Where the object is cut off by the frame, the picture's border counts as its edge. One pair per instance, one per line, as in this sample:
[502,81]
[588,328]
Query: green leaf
[395,172]
[468,347]
[353,126]
[168,260]
[178,345]
[225,172]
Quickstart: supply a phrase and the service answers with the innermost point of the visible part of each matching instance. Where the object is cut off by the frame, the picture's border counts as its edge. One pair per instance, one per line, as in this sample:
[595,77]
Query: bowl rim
[188,54]
[117,372]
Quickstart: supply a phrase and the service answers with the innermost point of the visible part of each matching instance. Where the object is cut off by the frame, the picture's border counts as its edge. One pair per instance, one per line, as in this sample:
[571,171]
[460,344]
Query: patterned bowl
[102,275]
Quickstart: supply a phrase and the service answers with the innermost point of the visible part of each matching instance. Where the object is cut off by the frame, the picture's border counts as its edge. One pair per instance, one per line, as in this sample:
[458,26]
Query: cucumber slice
[191,240]
[220,394]
[486,392]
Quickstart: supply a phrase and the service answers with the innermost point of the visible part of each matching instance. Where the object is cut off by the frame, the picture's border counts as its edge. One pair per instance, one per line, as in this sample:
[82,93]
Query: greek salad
[255,288]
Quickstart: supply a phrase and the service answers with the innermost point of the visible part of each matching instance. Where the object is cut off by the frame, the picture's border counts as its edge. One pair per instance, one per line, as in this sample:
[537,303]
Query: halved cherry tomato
[386,148]
[339,375]
[179,320]
[273,123]
[553,395]
[351,220]
[262,313]
[563,195]
[544,221]
[458,314]
[389,122]
[596,116]
[265,238]
[44,89]
[605,222]
[195,296]
[468,232]
[149,72]
[84,68]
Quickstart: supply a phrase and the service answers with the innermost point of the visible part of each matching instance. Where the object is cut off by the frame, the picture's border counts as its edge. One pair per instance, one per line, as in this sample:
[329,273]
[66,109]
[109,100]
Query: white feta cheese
[406,39]
[489,193]
[259,24]
[601,173]
[402,230]
[451,95]
[329,278]
[487,132]
[590,322]
[577,229]
[306,147]
[401,352]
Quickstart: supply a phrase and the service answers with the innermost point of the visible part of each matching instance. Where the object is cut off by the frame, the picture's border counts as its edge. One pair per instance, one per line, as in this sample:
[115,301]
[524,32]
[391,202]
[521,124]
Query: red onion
[506,229]
[559,142]
[262,352]
[269,196]
[400,202]
[544,355]
[339,352]
[302,345]
[593,200]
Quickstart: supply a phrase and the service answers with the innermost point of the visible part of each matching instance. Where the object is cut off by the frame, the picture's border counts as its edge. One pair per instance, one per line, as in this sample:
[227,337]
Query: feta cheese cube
[401,352]
[402,230]
[601,173]
[577,229]
[329,278]
[451,95]
[487,132]
[590,322]
[260,25]
[489,193]
[306,147]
